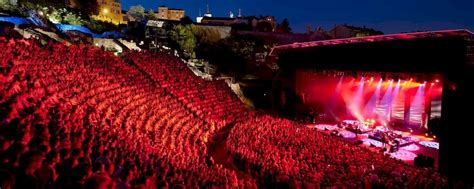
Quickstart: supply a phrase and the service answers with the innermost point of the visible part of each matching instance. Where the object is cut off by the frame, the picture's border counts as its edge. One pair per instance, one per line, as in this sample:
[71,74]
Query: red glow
[352,98]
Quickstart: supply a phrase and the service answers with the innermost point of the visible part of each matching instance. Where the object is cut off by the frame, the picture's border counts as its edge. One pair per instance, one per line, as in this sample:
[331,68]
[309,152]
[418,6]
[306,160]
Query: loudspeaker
[429,161]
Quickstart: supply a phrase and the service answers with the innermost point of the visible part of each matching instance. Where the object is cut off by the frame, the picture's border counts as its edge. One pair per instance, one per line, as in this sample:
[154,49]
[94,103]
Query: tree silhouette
[150,15]
[285,26]
[137,12]
[186,20]
[88,7]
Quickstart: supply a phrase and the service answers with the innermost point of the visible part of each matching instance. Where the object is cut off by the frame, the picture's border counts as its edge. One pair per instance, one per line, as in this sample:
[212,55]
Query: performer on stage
[384,139]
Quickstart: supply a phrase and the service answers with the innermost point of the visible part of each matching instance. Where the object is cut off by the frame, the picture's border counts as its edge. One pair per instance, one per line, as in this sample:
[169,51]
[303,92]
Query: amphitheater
[91,119]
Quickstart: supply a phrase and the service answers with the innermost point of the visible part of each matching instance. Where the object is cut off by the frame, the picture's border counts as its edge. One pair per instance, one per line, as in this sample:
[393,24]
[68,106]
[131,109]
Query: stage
[398,79]
[410,145]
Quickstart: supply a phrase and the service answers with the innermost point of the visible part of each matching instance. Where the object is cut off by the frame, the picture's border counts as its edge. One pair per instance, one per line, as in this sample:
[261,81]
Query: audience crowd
[280,151]
[79,117]
[210,100]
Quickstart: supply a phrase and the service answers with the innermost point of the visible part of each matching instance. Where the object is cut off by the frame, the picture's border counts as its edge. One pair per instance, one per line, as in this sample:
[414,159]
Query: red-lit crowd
[282,152]
[210,100]
[78,117]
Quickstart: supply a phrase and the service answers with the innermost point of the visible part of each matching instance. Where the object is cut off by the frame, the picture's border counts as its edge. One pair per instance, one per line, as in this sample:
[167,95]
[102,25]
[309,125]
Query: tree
[285,26]
[88,7]
[55,15]
[242,46]
[185,38]
[206,34]
[150,15]
[186,20]
[73,19]
[137,12]
[4,2]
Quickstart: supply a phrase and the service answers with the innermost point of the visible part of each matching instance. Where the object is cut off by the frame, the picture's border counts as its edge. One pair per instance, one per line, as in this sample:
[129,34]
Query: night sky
[389,16]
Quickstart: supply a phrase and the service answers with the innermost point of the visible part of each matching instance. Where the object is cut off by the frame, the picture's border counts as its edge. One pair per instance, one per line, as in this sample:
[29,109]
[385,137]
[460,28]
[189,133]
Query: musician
[385,139]
[397,145]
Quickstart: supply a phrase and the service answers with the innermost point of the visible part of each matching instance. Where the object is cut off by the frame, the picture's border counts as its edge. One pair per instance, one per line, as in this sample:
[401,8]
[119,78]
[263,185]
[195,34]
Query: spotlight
[432,84]
[434,136]
[437,81]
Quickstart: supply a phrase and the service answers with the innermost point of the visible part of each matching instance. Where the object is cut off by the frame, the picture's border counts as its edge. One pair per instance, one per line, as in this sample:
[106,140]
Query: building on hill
[125,17]
[207,14]
[165,13]
[251,23]
[346,31]
[239,22]
[110,11]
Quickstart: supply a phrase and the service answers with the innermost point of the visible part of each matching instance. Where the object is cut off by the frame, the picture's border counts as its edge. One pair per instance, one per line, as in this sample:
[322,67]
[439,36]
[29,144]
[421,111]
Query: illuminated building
[110,11]
[165,13]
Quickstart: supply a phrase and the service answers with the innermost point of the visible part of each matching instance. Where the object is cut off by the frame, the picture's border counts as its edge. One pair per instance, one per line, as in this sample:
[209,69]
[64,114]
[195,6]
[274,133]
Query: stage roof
[379,38]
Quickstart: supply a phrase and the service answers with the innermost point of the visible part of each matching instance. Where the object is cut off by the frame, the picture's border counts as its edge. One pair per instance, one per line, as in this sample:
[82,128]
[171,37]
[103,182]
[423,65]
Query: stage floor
[424,145]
